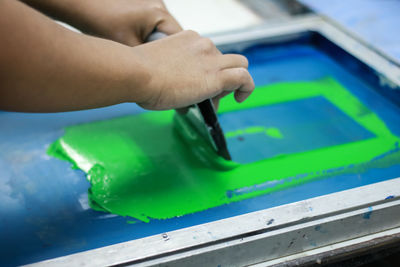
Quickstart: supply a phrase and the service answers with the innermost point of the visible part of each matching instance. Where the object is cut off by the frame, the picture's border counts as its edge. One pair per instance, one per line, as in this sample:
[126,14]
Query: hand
[126,21]
[185,69]
[82,72]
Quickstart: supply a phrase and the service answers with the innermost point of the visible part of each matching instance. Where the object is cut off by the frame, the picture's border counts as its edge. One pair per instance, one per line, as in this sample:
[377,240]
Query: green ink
[274,132]
[153,165]
[270,131]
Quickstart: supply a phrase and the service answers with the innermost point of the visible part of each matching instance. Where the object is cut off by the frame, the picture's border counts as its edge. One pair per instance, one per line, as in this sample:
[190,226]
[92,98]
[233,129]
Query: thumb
[169,25]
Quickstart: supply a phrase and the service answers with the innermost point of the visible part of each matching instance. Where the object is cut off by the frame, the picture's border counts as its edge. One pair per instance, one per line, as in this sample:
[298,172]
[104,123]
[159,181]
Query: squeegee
[203,117]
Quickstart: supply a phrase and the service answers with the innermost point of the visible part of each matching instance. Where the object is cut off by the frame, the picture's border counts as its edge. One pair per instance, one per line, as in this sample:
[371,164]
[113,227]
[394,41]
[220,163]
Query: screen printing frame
[297,230]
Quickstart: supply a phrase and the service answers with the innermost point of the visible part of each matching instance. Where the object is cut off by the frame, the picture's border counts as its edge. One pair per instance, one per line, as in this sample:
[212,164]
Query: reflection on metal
[279,32]
[276,9]
[288,232]
[362,249]
[260,236]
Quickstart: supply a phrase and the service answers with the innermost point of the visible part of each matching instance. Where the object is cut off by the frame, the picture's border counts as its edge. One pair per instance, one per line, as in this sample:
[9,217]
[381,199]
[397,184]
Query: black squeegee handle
[210,117]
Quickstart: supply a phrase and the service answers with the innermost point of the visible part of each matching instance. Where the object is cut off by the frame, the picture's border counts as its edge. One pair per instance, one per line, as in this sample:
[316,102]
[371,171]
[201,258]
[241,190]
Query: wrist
[128,68]
[113,70]
[140,73]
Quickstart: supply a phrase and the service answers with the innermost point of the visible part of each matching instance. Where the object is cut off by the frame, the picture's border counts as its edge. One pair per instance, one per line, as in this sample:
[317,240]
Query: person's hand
[126,21]
[185,69]
[83,72]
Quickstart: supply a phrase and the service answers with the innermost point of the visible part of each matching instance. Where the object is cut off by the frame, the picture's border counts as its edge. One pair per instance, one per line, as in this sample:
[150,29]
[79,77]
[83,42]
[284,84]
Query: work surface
[43,202]
[375,21]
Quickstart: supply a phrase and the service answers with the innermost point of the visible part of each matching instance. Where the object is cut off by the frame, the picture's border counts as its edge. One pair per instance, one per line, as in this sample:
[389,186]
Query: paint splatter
[155,165]
[367,215]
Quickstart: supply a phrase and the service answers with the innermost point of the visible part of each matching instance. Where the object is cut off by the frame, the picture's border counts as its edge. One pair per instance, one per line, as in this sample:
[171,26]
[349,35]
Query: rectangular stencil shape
[290,127]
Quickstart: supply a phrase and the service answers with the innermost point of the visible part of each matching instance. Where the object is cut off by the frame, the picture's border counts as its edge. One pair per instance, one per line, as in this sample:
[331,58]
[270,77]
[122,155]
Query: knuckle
[242,74]
[191,33]
[159,8]
[207,44]
[245,61]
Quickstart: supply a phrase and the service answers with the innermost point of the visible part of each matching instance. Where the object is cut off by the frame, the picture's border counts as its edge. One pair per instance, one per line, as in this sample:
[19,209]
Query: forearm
[68,11]
[129,22]
[46,68]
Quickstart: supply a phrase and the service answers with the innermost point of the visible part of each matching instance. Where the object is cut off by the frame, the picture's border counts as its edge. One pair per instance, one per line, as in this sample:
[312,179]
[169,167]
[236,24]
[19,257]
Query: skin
[126,21]
[47,68]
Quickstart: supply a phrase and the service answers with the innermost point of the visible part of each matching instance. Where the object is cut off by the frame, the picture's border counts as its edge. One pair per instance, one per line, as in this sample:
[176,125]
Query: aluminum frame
[388,68]
[282,233]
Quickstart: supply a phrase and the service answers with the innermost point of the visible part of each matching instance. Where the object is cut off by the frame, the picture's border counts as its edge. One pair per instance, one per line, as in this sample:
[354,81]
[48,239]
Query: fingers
[217,98]
[169,25]
[235,77]
[161,20]
[238,80]
[233,61]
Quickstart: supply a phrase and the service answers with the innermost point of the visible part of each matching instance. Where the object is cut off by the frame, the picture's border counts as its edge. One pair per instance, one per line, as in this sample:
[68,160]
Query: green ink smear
[270,131]
[155,166]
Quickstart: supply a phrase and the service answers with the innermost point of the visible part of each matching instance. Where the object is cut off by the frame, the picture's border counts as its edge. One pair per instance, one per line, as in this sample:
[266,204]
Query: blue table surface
[43,202]
[44,211]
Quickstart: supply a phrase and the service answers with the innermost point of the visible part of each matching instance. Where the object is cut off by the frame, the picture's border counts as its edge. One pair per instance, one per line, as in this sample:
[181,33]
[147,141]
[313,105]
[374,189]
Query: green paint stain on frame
[153,165]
